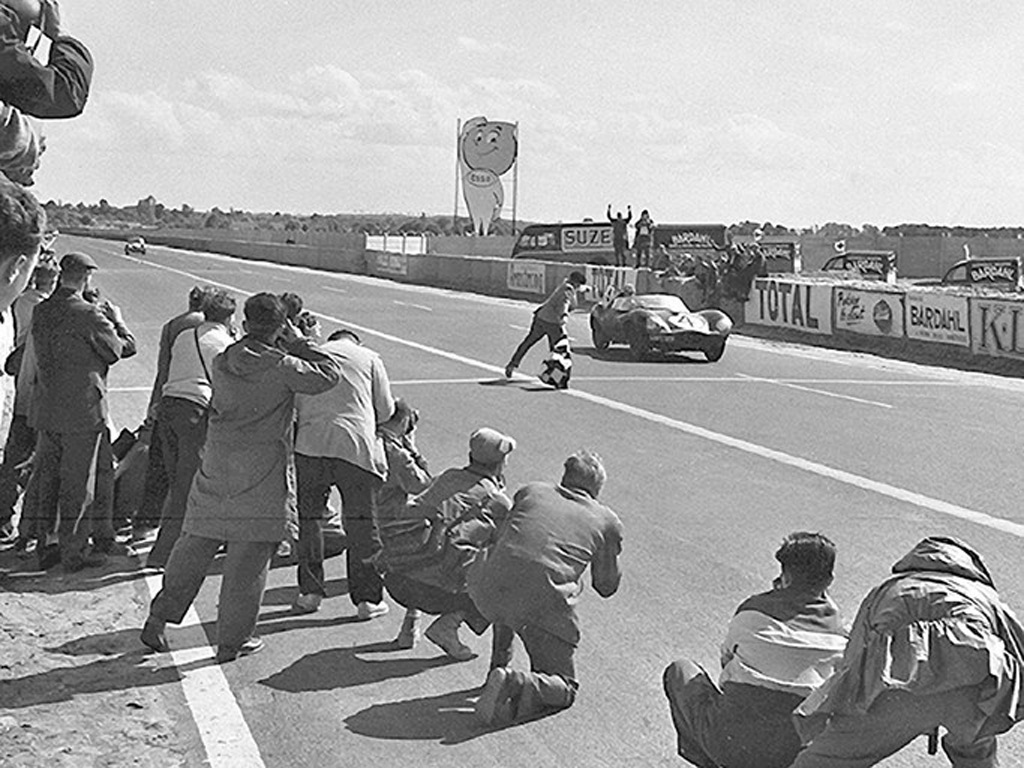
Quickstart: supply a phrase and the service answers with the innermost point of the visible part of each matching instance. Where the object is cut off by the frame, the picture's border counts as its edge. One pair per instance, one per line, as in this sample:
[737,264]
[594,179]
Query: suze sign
[587,238]
[789,304]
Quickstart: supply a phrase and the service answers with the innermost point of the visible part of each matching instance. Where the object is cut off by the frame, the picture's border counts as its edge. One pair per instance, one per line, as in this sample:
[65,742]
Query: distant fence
[411,245]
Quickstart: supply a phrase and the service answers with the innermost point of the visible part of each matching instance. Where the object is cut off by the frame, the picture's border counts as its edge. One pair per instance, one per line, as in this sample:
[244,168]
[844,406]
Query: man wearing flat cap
[477,493]
[75,343]
[530,580]
[549,318]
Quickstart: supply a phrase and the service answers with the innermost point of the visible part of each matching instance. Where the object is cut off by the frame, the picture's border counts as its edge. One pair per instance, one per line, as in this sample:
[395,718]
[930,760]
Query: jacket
[341,423]
[557,306]
[937,624]
[240,492]
[407,476]
[75,345]
[532,575]
[58,89]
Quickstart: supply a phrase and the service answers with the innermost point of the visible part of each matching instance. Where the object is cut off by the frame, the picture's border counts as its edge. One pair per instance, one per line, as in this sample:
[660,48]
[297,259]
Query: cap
[77,262]
[577,278]
[489,446]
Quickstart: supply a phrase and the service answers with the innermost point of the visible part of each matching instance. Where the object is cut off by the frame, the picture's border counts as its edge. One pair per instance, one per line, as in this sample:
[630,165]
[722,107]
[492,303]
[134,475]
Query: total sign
[785,303]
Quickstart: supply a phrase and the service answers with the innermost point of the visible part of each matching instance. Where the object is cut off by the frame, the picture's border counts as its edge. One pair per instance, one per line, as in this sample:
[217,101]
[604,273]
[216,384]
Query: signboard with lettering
[586,237]
[991,273]
[871,264]
[872,313]
[687,237]
[997,327]
[933,316]
[526,276]
[783,303]
[392,263]
[600,279]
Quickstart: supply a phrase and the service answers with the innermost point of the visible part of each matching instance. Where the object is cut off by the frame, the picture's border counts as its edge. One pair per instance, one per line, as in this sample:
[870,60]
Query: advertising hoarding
[783,303]
[937,317]
[872,313]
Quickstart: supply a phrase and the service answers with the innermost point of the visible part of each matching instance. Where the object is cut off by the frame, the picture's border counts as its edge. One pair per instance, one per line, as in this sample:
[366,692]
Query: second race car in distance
[658,322]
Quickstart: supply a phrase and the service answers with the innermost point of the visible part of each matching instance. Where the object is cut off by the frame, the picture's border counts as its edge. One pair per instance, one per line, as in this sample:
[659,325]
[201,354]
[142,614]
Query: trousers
[538,330]
[894,720]
[316,475]
[241,590]
[67,466]
[182,424]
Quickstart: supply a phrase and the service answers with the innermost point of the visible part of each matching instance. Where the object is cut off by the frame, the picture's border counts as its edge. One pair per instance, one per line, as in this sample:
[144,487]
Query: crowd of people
[251,427]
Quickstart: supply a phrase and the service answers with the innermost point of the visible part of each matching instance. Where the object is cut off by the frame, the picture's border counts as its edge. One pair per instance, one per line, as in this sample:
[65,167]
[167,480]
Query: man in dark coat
[75,342]
[240,494]
[58,89]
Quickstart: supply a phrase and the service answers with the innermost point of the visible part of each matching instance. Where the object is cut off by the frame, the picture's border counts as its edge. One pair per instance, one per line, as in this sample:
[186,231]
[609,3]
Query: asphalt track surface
[709,466]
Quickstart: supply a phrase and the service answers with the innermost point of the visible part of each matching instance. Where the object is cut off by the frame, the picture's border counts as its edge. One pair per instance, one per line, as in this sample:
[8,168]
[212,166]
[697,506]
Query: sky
[794,112]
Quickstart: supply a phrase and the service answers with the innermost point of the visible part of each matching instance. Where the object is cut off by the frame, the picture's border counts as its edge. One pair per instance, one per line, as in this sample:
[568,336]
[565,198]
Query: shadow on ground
[336,668]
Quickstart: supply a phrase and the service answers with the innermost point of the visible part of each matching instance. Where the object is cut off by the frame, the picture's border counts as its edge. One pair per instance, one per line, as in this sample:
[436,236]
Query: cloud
[476,46]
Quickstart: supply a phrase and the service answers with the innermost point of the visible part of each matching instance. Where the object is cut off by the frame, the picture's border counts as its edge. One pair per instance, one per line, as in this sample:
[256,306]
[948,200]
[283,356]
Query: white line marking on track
[822,470]
[789,385]
[332,289]
[518,327]
[415,306]
[222,727]
[129,389]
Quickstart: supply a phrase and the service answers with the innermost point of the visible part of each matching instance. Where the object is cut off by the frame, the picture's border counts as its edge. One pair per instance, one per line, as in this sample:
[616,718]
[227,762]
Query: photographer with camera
[239,495]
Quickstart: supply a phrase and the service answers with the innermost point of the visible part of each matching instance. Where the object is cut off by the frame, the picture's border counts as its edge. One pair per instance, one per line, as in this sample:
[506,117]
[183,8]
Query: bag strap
[199,351]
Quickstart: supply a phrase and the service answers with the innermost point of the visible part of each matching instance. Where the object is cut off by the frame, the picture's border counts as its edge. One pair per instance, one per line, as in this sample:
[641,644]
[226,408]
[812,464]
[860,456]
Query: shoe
[509,370]
[248,648]
[410,631]
[495,705]
[444,633]
[367,610]
[152,636]
[307,603]
[284,550]
[8,533]
[48,556]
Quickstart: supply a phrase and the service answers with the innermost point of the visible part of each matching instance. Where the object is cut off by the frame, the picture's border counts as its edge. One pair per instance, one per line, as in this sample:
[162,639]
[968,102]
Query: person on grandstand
[620,233]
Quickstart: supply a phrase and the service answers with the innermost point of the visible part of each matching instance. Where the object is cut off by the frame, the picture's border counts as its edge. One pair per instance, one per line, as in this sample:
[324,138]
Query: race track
[709,466]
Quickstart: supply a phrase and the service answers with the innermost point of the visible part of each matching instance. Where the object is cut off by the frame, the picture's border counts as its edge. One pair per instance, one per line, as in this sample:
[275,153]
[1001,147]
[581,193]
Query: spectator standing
[549,318]
[336,445]
[22,225]
[933,645]
[643,234]
[155,490]
[75,343]
[239,495]
[439,588]
[530,579]
[184,412]
[620,233]
[780,646]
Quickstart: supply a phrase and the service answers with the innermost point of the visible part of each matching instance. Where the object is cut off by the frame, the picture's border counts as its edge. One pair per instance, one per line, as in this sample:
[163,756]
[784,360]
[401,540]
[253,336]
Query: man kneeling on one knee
[529,580]
[780,646]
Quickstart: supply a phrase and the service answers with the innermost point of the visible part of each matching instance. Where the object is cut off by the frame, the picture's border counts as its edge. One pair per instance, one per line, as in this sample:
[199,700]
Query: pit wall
[949,327]
[936,326]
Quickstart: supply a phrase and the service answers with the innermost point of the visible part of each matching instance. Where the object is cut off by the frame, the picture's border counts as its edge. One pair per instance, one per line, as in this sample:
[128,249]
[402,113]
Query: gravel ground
[76,687]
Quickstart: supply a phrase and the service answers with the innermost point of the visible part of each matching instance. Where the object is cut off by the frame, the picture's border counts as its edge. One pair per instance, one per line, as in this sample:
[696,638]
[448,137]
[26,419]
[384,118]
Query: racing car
[135,245]
[658,322]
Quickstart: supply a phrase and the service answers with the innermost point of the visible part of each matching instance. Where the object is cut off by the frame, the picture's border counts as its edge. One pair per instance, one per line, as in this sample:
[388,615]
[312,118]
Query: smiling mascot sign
[487,149]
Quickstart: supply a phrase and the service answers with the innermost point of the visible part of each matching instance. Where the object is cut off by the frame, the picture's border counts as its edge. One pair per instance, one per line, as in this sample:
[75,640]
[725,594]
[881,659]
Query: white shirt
[188,374]
[341,423]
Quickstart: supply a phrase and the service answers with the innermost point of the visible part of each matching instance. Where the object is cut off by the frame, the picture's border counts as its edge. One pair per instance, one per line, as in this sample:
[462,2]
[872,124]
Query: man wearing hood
[933,645]
[240,493]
